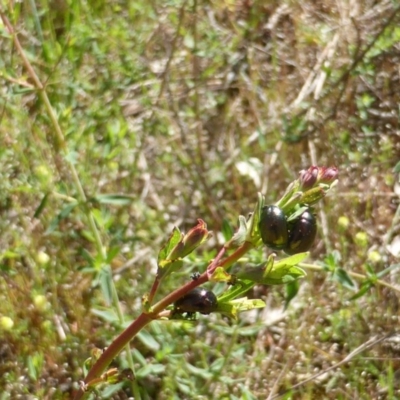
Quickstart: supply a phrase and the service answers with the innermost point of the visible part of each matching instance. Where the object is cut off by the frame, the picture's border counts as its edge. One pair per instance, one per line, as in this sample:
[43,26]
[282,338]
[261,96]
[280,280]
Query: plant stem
[240,252]
[145,318]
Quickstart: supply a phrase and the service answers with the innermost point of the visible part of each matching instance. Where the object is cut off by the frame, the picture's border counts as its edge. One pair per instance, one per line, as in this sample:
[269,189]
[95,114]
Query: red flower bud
[193,239]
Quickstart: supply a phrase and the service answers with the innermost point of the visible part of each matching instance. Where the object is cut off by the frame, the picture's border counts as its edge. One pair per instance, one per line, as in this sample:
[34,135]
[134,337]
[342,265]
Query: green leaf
[240,235]
[241,287]
[297,214]
[112,253]
[167,267]
[110,389]
[269,265]
[173,240]
[332,260]
[104,279]
[220,275]
[64,213]
[253,233]
[113,199]
[292,288]
[383,273]
[341,276]
[217,365]
[148,340]
[284,271]
[72,157]
[292,260]
[284,275]
[233,307]
[364,289]
[42,205]
[107,314]
[227,230]
[150,369]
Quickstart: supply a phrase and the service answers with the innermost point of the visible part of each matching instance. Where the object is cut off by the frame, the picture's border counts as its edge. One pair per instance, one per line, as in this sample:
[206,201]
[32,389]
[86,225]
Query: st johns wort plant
[289,225]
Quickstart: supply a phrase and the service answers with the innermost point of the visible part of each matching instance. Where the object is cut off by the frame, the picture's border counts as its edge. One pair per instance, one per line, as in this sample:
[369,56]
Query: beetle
[196,275]
[197,300]
[302,233]
[273,227]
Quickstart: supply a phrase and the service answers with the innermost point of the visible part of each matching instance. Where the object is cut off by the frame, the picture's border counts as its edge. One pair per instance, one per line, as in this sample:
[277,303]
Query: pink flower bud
[308,178]
[327,175]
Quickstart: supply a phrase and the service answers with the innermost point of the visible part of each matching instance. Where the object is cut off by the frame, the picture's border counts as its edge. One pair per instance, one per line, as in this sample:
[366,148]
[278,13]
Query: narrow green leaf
[396,168]
[364,289]
[42,205]
[109,390]
[292,288]
[227,230]
[148,340]
[112,253]
[107,314]
[241,287]
[383,273]
[341,276]
[59,217]
[104,280]
[113,199]
[201,372]
[150,369]
[292,260]
[253,233]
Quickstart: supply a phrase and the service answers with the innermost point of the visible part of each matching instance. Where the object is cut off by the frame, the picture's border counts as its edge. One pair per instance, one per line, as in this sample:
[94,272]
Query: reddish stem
[154,289]
[145,318]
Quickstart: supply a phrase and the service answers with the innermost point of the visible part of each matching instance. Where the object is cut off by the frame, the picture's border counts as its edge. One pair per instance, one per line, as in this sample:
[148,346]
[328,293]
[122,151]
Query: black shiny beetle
[302,233]
[197,300]
[294,237]
[273,227]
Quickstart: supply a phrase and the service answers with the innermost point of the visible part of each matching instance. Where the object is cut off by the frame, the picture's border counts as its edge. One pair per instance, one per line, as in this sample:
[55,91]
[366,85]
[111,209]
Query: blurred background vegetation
[177,110]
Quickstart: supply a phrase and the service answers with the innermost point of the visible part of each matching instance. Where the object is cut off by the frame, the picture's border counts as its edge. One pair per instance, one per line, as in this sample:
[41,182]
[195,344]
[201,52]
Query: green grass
[184,110]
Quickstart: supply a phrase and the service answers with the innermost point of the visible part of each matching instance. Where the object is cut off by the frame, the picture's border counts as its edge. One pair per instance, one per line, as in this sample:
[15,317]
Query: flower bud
[312,196]
[193,239]
[308,178]
[327,175]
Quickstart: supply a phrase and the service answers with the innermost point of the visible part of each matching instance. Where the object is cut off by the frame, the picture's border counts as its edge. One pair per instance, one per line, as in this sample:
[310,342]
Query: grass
[183,110]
